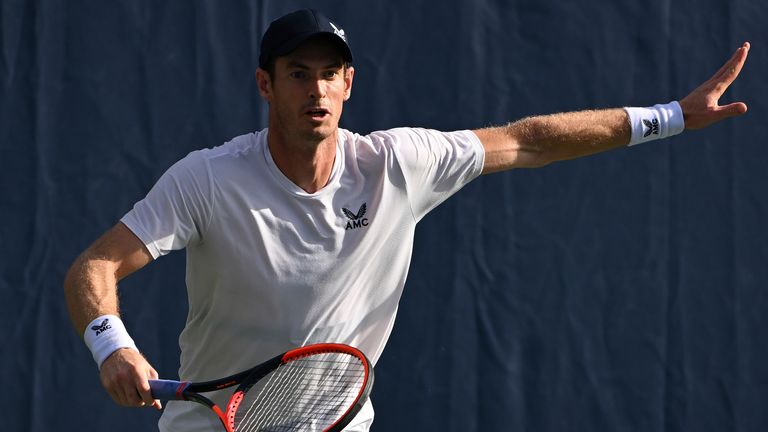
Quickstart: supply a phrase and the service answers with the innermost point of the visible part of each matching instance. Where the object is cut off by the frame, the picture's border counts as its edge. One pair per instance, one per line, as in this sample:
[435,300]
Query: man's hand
[700,108]
[125,375]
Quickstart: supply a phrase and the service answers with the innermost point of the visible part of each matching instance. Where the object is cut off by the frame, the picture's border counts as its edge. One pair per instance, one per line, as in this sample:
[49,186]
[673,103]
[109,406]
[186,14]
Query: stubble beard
[300,131]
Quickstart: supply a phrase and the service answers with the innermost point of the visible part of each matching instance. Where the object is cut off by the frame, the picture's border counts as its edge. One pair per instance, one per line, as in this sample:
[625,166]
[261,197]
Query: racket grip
[168,389]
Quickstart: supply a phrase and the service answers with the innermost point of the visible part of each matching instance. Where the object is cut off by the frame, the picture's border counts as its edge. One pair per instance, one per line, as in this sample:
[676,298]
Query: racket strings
[338,390]
[291,407]
[306,394]
[298,409]
[282,389]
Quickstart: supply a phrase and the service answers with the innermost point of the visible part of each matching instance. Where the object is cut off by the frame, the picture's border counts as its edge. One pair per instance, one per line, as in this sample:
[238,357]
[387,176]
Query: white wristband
[656,122]
[105,335]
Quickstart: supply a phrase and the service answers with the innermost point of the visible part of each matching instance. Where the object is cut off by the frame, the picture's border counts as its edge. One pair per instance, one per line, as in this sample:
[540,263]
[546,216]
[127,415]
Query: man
[302,232]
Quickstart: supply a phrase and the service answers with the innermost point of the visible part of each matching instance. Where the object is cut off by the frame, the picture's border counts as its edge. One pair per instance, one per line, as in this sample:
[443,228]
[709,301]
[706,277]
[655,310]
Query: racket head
[319,387]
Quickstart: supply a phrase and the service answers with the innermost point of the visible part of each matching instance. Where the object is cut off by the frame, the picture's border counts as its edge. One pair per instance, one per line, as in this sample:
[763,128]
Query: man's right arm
[90,289]
[540,140]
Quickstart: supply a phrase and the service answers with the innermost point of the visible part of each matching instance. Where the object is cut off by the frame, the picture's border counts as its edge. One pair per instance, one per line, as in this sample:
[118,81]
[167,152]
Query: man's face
[307,91]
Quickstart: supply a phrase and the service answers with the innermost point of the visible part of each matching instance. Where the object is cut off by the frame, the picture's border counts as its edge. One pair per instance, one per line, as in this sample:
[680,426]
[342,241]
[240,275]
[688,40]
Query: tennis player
[302,232]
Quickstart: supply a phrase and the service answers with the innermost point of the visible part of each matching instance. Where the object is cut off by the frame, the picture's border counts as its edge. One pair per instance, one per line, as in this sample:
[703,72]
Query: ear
[264,83]
[348,76]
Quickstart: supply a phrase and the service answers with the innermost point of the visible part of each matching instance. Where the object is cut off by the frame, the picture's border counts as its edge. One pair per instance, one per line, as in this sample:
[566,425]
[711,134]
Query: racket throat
[232,406]
[224,419]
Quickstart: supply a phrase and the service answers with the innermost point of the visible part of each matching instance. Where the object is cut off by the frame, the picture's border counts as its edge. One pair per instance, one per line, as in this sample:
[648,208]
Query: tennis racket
[318,387]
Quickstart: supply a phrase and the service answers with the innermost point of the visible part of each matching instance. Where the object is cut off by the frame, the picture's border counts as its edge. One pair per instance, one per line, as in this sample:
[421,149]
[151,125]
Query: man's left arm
[540,140]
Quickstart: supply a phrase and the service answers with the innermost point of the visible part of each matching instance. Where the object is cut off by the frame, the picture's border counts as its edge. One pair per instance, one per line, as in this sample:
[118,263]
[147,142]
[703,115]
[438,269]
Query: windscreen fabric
[624,291]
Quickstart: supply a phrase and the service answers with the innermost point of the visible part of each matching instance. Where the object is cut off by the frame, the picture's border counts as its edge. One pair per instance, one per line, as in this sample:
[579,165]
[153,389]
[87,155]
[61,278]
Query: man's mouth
[317,113]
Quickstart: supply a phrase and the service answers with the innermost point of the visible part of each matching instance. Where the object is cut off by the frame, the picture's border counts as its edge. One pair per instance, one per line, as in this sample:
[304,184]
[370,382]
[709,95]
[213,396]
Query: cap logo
[338,32]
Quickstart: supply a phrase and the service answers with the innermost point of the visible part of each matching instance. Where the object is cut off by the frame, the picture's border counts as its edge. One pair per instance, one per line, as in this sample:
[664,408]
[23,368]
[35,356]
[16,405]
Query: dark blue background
[623,292]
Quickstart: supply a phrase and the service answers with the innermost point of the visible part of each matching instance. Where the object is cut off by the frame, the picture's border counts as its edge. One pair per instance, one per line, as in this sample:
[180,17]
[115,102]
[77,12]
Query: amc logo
[356,220]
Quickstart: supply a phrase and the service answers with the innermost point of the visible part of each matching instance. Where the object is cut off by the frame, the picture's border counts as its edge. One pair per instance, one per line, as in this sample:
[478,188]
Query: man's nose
[317,88]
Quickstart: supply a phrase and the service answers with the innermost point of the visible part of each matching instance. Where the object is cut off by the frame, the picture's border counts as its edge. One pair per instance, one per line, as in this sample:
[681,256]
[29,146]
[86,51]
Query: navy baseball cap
[286,33]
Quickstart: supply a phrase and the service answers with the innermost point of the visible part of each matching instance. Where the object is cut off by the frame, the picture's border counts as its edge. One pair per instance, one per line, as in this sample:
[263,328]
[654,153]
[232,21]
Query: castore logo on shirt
[356,220]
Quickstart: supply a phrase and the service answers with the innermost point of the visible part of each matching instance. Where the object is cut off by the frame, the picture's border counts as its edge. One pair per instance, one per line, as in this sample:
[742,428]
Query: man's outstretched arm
[540,140]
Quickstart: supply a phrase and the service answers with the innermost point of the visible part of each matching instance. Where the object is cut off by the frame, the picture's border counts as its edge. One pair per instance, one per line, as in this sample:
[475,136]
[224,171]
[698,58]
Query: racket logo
[653,127]
[356,220]
[101,328]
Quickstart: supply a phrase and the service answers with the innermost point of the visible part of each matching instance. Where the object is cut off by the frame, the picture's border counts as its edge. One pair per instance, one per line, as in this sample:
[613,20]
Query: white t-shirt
[271,267]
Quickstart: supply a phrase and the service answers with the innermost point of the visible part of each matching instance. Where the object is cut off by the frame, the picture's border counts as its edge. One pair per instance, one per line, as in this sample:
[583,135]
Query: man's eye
[298,75]
[329,74]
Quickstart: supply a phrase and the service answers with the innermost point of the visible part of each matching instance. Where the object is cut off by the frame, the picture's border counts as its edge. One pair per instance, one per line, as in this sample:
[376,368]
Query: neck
[308,164]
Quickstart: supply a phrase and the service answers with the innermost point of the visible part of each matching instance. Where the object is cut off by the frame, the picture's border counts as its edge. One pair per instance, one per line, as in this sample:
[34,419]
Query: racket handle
[168,389]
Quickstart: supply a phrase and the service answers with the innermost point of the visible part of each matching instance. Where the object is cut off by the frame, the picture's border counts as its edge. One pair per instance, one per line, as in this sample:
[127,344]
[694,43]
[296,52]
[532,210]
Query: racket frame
[189,391]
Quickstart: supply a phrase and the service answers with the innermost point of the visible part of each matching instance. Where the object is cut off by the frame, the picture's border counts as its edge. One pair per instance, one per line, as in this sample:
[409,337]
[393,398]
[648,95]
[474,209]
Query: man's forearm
[90,286]
[539,140]
[90,289]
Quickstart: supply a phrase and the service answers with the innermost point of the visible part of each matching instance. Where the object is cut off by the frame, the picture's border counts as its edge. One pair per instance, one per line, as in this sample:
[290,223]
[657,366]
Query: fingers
[125,375]
[731,69]
[700,107]
[732,110]
[738,56]
[144,391]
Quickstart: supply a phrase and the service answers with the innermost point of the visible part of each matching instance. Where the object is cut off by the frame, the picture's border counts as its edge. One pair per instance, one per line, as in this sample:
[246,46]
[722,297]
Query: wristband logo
[653,127]
[356,220]
[101,328]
